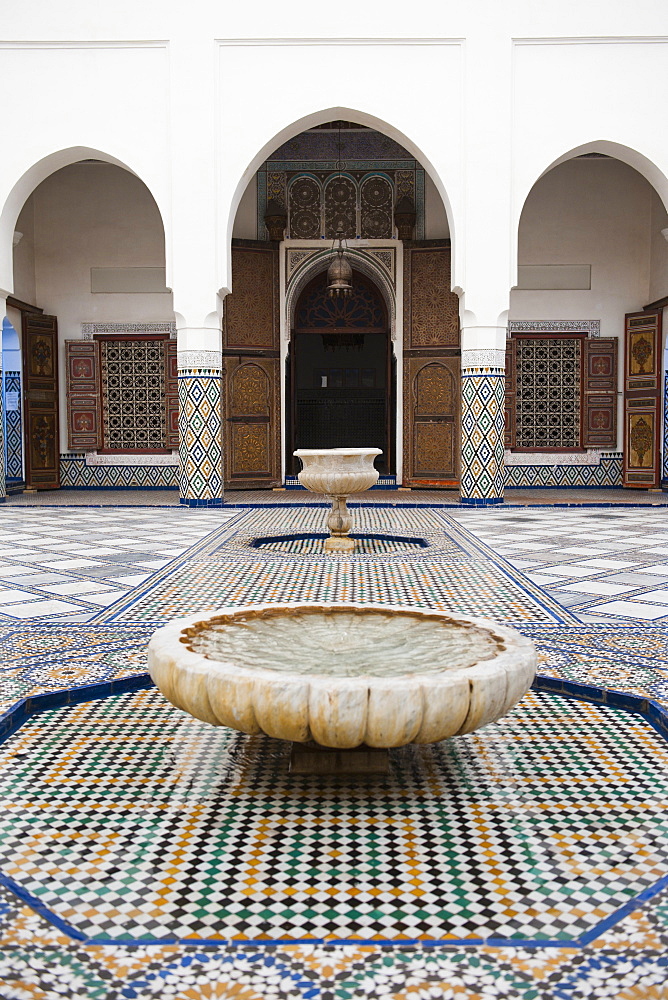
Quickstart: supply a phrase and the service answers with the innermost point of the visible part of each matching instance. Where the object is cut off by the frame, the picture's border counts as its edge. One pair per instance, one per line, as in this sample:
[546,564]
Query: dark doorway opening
[341,374]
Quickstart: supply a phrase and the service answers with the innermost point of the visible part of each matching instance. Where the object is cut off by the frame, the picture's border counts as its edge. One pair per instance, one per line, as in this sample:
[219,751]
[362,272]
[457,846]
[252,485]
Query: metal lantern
[339,272]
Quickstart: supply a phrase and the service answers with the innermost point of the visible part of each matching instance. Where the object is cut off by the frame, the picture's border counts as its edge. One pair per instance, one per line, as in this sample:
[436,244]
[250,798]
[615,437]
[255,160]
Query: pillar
[483,390]
[200,423]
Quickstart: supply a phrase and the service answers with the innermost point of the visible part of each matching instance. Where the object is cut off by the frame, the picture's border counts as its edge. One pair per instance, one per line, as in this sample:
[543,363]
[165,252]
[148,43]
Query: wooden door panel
[431,403]
[251,382]
[252,413]
[642,400]
[434,453]
[40,385]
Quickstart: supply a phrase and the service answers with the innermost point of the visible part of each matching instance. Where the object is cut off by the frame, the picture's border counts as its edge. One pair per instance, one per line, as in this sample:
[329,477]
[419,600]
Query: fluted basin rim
[337,451]
[407,707]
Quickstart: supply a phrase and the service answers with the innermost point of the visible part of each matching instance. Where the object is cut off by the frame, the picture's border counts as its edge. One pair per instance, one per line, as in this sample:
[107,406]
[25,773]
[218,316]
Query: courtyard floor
[145,854]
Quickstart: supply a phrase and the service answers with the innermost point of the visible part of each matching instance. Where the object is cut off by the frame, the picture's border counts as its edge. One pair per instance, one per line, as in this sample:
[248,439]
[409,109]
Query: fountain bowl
[342,675]
[338,472]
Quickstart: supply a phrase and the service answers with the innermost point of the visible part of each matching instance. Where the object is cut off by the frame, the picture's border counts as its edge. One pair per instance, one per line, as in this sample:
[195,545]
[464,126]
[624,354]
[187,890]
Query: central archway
[341,379]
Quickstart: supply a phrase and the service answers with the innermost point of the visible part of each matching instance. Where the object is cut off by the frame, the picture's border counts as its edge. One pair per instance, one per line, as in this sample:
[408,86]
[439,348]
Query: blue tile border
[195,502]
[261,540]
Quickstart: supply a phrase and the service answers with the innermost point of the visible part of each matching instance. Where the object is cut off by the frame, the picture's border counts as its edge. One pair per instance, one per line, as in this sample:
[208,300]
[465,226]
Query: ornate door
[434,419]
[252,458]
[432,379]
[251,386]
[642,394]
[40,387]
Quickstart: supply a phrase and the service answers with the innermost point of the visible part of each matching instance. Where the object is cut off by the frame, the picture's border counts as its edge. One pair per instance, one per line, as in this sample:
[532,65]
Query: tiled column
[483,388]
[664,470]
[3,471]
[200,428]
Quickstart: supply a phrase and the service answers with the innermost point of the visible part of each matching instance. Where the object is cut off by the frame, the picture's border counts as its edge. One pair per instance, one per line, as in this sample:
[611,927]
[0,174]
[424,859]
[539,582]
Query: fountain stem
[339,523]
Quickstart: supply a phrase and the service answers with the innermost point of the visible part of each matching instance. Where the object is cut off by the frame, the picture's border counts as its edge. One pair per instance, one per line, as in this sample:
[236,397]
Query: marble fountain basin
[342,675]
[338,471]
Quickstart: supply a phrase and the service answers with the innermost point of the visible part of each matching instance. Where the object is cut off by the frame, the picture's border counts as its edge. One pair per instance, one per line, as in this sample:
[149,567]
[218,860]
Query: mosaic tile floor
[603,565]
[449,574]
[626,959]
[541,828]
[67,564]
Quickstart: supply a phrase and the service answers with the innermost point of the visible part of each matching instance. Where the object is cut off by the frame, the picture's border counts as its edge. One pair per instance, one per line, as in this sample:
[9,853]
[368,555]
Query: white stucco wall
[95,215]
[658,278]
[595,212]
[487,96]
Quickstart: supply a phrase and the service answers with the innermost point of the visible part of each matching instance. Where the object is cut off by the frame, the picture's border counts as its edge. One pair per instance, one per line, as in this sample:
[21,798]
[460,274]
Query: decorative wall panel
[376,208]
[13,426]
[76,474]
[431,421]
[171,393]
[340,208]
[605,474]
[40,386]
[251,318]
[313,156]
[599,370]
[305,208]
[82,379]
[133,395]
[431,310]
[548,378]
[252,440]
[643,384]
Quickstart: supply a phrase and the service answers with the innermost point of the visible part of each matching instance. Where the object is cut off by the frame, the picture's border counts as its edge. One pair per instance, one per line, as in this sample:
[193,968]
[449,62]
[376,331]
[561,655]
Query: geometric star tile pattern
[626,961]
[539,828]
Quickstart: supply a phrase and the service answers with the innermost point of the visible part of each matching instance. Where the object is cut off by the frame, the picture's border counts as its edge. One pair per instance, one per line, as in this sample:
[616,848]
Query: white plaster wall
[245,222]
[92,215]
[487,95]
[658,278]
[95,215]
[596,212]
[24,255]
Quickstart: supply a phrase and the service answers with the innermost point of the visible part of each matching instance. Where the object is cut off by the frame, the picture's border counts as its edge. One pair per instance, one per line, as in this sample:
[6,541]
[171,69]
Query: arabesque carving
[249,394]
[434,391]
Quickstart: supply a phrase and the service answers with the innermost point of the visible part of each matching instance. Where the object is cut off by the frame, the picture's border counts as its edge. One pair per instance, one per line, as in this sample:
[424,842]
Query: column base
[193,502]
[481,501]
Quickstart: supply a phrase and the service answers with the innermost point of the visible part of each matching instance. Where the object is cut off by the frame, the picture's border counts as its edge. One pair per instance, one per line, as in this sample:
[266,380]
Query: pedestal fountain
[338,472]
[342,676]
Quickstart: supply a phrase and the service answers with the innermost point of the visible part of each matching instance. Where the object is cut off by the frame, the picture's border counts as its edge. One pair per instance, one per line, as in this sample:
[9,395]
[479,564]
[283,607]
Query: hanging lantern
[339,272]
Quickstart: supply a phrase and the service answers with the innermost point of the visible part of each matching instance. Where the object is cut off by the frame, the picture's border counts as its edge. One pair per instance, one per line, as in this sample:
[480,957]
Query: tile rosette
[381,709]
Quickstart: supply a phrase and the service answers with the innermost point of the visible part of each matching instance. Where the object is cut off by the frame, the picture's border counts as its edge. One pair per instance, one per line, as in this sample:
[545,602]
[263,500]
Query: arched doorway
[341,371]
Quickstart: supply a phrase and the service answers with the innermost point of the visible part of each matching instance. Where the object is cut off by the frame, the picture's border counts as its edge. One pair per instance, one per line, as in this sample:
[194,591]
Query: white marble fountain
[338,472]
[340,675]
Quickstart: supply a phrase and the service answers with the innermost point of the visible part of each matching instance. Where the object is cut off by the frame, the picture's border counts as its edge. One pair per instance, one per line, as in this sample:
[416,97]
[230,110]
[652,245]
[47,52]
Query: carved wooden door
[434,420]
[432,379]
[40,388]
[642,394]
[251,385]
[252,458]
